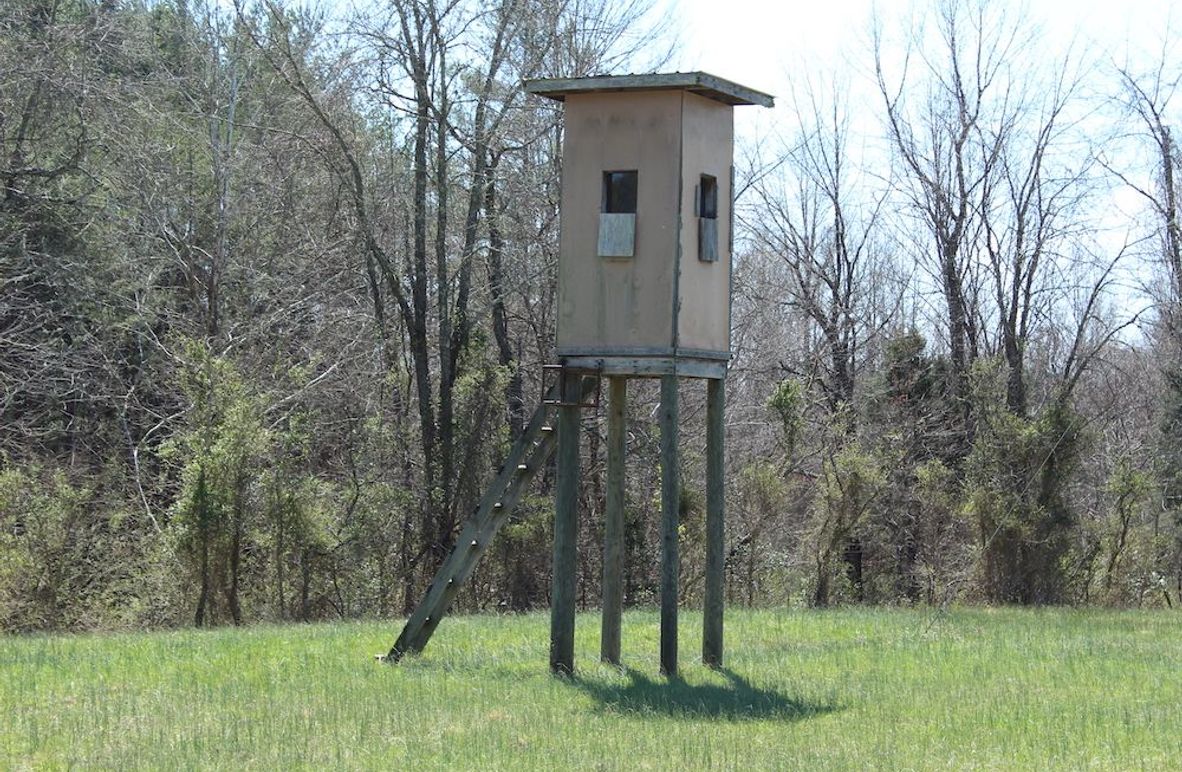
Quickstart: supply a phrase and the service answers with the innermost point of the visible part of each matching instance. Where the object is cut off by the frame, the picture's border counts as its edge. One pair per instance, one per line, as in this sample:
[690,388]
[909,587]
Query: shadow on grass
[736,700]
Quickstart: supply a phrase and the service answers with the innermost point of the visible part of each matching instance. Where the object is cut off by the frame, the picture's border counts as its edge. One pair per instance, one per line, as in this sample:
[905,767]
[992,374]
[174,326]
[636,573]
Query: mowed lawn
[848,689]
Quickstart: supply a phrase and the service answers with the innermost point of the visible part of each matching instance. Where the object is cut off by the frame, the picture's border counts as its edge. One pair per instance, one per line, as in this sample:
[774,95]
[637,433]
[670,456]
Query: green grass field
[802,690]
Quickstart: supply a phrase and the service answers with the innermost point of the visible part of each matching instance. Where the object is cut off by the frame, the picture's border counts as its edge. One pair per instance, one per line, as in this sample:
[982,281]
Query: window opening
[619,192]
[707,205]
[708,197]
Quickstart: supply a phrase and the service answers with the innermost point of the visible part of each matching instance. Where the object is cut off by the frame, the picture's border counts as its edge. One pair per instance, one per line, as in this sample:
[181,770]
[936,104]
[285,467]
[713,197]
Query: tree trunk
[513,390]
[203,598]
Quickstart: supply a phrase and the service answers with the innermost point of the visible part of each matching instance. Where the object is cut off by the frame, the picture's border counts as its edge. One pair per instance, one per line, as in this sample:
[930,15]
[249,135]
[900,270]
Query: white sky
[763,44]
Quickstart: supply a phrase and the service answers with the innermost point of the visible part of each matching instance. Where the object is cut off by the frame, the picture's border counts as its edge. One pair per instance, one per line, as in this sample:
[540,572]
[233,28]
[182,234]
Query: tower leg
[715,507]
[670,500]
[613,526]
[562,598]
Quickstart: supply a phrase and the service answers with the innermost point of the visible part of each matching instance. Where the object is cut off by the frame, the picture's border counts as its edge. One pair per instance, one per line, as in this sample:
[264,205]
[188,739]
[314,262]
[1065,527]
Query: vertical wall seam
[680,226]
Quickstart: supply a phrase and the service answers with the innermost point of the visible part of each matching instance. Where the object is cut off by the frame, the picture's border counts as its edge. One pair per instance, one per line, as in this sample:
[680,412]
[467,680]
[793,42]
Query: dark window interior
[619,192]
[708,197]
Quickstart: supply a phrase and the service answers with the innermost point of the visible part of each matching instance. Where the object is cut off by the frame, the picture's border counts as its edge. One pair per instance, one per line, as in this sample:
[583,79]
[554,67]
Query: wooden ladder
[527,456]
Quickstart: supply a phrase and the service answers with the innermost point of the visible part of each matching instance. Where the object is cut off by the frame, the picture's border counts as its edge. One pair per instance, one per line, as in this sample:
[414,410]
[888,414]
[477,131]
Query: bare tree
[1148,97]
[937,138]
[823,234]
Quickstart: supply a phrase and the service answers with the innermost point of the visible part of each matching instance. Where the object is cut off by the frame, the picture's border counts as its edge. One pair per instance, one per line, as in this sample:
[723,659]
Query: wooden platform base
[645,366]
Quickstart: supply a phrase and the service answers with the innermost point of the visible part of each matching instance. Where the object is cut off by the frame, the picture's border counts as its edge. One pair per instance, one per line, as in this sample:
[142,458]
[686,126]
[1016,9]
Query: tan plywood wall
[619,305]
[625,306]
[704,287]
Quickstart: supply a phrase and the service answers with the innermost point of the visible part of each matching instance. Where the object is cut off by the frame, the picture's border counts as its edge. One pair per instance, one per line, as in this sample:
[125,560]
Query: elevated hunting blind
[644,267]
[644,279]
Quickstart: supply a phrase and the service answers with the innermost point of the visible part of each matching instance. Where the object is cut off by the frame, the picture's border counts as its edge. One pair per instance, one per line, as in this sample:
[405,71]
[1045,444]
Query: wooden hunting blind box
[644,290]
[645,256]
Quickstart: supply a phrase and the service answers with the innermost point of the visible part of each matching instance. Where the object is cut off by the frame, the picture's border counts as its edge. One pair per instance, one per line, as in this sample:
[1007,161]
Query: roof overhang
[700,83]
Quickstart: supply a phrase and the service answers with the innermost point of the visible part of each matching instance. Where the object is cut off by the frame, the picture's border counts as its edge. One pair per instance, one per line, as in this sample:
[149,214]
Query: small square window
[619,192]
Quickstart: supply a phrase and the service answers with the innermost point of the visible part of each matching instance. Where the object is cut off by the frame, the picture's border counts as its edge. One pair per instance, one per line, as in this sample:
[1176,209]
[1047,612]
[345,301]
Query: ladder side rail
[486,520]
[471,549]
[509,501]
[411,640]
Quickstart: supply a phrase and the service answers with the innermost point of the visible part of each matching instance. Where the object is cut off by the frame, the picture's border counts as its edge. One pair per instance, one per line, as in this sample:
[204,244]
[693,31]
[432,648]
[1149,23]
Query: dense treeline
[276,289]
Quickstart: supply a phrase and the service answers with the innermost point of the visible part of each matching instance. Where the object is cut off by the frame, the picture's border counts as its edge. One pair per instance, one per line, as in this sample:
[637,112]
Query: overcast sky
[765,43]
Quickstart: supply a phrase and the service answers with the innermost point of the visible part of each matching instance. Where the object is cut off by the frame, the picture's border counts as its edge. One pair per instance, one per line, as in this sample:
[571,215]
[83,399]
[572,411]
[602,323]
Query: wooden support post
[562,597]
[613,523]
[670,502]
[715,507]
